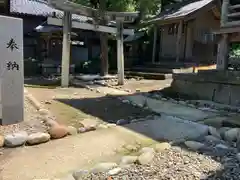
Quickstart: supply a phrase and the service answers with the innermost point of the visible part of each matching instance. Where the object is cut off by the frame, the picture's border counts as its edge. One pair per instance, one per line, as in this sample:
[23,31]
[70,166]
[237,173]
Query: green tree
[145,7]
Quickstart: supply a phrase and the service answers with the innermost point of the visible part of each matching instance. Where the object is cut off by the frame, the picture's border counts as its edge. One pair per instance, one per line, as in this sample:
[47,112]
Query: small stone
[90,128]
[43,111]
[122,122]
[160,147]
[78,174]
[125,101]
[103,126]
[103,167]
[213,131]
[58,131]
[37,138]
[182,102]
[15,139]
[109,125]
[138,90]
[146,149]
[82,130]
[47,102]
[1,153]
[1,141]
[232,134]
[128,160]
[146,158]
[211,138]
[72,130]
[114,171]
[194,145]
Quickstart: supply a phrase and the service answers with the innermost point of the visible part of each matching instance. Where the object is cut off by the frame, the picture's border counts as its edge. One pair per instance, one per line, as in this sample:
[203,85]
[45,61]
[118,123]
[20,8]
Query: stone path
[57,158]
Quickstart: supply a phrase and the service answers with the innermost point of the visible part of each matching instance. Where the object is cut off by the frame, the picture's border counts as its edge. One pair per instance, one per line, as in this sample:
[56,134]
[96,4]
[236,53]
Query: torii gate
[69,8]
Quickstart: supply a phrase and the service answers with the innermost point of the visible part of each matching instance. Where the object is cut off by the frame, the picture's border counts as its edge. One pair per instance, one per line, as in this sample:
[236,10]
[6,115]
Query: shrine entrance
[70,8]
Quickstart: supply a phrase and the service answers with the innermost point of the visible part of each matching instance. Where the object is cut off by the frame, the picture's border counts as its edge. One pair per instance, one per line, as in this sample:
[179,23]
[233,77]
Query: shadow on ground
[110,109]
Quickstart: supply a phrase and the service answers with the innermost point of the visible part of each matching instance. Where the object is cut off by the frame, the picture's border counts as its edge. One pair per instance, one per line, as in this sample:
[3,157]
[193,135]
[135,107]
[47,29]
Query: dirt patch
[31,123]
[73,105]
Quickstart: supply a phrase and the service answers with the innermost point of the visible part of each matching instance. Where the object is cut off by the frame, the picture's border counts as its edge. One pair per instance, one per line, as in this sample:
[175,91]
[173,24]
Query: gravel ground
[31,123]
[175,164]
[134,85]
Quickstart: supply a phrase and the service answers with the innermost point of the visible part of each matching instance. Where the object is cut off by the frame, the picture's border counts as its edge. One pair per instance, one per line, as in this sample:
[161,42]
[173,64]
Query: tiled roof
[181,9]
[39,8]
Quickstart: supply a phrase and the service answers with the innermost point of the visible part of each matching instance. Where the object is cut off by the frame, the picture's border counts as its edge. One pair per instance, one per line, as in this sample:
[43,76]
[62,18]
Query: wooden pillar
[66,47]
[154,44]
[179,37]
[223,50]
[189,41]
[120,53]
[224,12]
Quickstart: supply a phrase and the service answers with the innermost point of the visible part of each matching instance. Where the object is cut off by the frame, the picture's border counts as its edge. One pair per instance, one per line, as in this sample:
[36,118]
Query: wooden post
[66,47]
[223,50]
[154,44]
[189,41]
[120,53]
[179,37]
[224,12]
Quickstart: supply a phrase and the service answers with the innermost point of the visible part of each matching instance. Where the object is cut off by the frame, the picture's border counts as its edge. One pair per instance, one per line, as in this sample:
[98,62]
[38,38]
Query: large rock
[128,160]
[232,134]
[146,158]
[72,130]
[222,131]
[58,131]
[1,141]
[194,145]
[38,138]
[103,167]
[160,147]
[211,138]
[213,131]
[15,139]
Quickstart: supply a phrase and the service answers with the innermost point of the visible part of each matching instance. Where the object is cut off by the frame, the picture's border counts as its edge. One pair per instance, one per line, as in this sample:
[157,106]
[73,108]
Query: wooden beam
[154,44]
[75,8]
[88,26]
[178,44]
[223,50]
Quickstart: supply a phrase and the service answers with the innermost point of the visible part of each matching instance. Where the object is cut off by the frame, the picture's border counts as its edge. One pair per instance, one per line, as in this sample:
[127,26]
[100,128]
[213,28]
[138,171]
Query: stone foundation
[219,86]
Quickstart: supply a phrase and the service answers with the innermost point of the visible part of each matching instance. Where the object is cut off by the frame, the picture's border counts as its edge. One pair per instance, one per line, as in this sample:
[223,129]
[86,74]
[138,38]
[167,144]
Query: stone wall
[218,86]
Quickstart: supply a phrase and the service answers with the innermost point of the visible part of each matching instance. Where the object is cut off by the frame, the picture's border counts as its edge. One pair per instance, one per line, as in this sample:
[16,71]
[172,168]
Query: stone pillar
[11,71]
[223,52]
[120,53]
[66,48]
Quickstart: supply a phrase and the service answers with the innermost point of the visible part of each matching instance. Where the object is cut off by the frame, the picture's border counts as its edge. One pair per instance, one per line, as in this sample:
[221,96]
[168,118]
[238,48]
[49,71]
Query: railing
[230,15]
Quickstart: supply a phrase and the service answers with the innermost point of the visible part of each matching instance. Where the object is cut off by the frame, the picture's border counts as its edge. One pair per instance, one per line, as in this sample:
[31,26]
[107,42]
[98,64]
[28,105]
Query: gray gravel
[175,164]
[32,121]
